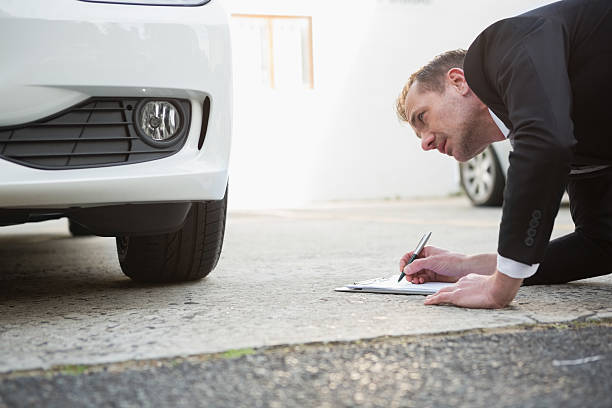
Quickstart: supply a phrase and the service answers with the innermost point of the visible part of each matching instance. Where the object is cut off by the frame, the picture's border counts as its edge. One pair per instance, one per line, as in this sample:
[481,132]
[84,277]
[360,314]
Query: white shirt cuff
[515,269]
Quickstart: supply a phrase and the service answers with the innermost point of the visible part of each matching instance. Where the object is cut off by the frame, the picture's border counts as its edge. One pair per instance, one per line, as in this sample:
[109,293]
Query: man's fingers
[405,259]
[440,297]
[416,266]
[446,289]
[444,295]
[419,277]
[426,276]
[427,252]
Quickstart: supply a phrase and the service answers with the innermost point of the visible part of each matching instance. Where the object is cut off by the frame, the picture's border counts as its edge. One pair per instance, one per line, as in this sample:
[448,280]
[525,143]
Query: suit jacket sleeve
[527,67]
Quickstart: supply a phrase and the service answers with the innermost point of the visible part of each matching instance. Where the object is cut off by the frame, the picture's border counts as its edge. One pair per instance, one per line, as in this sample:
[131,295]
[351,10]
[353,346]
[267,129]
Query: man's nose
[428,141]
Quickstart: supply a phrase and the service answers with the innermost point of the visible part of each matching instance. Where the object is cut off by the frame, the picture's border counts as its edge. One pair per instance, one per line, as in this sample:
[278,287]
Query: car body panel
[59,53]
[502,151]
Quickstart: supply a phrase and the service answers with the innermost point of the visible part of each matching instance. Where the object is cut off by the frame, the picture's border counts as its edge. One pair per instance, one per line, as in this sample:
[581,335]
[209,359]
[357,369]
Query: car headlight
[158,121]
[185,3]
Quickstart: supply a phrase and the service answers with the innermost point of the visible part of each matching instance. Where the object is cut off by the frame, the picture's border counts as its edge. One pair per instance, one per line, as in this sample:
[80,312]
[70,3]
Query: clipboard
[392,286]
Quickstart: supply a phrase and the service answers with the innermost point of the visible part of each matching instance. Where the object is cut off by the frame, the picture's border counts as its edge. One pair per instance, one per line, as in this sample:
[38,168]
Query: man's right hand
[439,265]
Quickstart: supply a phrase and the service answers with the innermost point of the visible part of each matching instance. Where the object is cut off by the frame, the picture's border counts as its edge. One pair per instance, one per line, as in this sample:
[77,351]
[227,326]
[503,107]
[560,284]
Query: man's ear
[456,78]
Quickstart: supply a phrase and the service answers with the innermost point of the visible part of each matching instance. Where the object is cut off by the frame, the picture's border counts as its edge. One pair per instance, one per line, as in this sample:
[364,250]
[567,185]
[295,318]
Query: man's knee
[572,257]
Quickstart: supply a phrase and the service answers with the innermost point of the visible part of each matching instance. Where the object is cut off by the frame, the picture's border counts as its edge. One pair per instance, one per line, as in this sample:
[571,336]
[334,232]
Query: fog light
[159,120]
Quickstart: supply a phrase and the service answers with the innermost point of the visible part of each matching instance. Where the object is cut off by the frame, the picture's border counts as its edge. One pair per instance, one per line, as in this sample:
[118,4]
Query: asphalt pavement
[64,300]
[535,366]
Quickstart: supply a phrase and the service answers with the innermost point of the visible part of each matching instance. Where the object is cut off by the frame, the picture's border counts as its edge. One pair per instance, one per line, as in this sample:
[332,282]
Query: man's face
[445,121]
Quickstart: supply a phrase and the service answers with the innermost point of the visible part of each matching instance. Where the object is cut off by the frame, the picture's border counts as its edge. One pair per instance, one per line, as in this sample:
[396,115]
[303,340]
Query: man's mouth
[446,149]
[442,147]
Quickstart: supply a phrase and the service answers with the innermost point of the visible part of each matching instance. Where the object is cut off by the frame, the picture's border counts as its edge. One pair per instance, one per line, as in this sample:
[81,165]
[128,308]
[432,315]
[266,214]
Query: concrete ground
[65,301]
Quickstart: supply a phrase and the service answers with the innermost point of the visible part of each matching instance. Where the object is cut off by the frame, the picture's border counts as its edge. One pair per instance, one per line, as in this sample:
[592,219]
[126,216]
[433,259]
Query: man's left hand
[478,292]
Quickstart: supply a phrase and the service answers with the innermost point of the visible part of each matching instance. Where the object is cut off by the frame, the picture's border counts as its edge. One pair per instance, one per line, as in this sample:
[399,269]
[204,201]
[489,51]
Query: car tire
[188,254]
[77,230]
[482,179]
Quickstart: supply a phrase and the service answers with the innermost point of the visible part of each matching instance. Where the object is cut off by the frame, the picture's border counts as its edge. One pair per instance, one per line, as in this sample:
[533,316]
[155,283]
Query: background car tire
[482,179]
[188,254]
[77,230]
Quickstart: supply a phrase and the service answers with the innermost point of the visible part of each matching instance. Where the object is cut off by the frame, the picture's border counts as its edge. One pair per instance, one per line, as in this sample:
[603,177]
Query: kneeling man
[542,79]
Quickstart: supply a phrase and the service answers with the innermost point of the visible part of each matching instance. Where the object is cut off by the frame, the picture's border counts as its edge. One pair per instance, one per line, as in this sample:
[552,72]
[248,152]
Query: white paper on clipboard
[391,285]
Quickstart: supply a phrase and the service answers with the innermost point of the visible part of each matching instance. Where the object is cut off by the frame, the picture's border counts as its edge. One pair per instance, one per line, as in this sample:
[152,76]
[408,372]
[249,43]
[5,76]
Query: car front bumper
[66,51]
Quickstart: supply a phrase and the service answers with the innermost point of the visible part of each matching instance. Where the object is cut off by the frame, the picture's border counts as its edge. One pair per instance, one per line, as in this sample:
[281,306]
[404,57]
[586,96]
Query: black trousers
[587,251]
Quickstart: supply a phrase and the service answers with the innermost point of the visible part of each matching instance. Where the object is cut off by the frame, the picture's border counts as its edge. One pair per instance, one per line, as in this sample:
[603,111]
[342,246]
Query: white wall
[342,140]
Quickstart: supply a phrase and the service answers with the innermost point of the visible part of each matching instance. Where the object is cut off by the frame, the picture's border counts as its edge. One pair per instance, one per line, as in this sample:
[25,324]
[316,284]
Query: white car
[117,114]
[483,178]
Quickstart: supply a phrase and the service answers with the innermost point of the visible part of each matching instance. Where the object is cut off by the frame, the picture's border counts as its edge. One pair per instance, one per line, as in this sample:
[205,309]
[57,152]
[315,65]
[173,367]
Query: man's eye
[420,117]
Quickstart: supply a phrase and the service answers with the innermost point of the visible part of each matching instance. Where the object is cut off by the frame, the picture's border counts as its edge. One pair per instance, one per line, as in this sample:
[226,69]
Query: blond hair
[430,77]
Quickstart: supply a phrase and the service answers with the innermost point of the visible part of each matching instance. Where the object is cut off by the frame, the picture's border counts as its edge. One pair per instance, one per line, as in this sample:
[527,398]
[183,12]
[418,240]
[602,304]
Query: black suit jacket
[547,74]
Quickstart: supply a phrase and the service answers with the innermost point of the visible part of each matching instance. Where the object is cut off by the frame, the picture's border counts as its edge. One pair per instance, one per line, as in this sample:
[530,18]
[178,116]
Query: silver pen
[418,249]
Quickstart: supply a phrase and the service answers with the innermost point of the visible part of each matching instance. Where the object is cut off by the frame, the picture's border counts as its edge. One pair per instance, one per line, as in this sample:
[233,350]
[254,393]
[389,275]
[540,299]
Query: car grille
[98,132]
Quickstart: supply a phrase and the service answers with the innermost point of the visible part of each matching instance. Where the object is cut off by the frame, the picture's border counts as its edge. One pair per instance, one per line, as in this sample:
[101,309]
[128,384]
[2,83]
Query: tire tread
[188,254]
